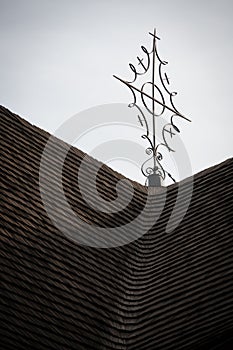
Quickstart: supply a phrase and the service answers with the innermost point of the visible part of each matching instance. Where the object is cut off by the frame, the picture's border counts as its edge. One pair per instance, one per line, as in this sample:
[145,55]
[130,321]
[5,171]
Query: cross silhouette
[167,104]
[170,132]
[154,35]
[140,62]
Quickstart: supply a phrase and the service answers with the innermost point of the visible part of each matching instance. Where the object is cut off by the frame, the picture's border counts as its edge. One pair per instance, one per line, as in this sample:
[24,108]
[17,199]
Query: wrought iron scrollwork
[154,151]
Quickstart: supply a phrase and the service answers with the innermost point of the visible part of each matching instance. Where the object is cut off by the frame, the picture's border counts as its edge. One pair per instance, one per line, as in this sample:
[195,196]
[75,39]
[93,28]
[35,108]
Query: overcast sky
[58,58]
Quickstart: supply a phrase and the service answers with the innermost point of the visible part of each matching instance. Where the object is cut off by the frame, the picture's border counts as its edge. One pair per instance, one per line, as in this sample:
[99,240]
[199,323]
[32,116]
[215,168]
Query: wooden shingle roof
[165,290]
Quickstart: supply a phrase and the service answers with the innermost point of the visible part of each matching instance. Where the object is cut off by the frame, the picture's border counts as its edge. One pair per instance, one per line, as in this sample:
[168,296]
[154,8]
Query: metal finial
[156,171]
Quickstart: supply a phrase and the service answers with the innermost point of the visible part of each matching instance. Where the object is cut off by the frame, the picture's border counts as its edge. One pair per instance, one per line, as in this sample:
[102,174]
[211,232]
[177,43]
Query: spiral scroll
[154,150]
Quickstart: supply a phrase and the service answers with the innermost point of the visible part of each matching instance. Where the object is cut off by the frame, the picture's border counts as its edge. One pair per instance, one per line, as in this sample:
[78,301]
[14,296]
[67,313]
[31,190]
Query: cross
[170,132]
[154,35]
[170,128]
[140,62]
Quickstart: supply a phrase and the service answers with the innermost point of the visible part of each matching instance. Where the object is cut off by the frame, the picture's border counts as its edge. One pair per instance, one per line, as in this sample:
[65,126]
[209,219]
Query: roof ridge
[5,111]
[204,172]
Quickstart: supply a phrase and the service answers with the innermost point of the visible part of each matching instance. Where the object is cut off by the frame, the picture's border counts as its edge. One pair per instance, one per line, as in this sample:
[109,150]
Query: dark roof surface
[163,291]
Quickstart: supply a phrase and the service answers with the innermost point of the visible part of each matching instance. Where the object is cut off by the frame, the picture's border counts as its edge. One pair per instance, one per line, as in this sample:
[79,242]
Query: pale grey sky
[58,58]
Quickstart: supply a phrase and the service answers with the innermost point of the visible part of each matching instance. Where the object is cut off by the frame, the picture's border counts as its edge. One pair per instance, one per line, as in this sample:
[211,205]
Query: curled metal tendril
[149,150]
[159,156]
[149,170]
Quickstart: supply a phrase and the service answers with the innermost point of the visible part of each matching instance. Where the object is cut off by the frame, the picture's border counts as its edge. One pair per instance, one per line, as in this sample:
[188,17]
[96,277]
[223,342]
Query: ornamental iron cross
[155,172]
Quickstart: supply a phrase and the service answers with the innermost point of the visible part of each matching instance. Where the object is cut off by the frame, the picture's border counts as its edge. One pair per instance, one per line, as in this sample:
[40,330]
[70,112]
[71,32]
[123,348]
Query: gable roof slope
[165,290]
